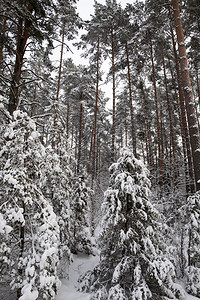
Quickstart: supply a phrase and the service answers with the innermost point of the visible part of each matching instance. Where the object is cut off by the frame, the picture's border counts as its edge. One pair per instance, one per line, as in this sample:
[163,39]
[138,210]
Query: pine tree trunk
[58,88]
[90,152]
[160,162]
[113,74]
[80,137]
[198,89]
[21,245]
[172,142]
[22,37]
[133,133]
[2,39]
[148,147]
[67,125]
[126,133]
[190,106]
[175,91]
[183,123]
[95,114]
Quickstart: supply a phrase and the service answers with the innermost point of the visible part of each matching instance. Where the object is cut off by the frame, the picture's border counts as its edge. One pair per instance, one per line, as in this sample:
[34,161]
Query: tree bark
[183,123]
[133,133]
[169,110]
[80,137]
[198,89]
[189,100]
[95,115]
[113,74]
[58,87]
[67,125]
[126,133]
[2,39]
[22,37]
[160,162]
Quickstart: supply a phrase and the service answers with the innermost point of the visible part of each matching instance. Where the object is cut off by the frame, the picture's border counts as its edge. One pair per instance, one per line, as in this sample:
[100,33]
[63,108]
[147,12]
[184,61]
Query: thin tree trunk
[169,110]
[21,245]
[2,39]
[58,87]
[133,133]
[121,138]
[90,152]
[161,141]
[95,114]
[67,125]
[175,91]
[80,138]
[72,139]
[148,149]
[190,107]
[126,133]
[160,162]
[113,74]
[76,143]
[198,89]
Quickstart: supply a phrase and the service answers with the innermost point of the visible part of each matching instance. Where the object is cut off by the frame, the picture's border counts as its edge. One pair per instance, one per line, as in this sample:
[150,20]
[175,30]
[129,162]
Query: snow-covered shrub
[190,213]
[81,198]
[193,280]
[57,188]
[133,265]
[32,244]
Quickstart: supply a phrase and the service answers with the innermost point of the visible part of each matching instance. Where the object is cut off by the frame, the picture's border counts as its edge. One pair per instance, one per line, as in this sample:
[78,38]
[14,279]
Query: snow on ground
[189,297]
[81,264]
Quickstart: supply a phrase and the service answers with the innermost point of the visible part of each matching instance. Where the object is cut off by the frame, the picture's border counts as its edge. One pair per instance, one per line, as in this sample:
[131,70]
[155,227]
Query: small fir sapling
[190,213]
[132,265]
[57,188]
[81,198]
[32,244]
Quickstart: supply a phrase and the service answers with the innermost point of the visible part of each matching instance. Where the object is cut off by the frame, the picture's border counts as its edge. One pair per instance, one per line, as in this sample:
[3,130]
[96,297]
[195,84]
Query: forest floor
[81,264]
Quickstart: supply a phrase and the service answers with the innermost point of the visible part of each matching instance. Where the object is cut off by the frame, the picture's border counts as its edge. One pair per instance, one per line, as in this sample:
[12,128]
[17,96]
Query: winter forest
[109,182]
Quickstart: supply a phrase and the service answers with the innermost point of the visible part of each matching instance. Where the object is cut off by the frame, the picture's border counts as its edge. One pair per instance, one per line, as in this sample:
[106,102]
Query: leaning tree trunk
[189,100]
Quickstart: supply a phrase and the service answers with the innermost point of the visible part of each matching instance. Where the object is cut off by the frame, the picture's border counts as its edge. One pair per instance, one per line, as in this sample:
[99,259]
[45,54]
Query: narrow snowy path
[81,264]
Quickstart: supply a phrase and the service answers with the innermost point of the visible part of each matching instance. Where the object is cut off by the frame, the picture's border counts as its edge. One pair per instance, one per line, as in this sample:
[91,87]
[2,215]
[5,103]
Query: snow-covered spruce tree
[81,200]
[30,250]
[57,188]
[132,265]
[190,213]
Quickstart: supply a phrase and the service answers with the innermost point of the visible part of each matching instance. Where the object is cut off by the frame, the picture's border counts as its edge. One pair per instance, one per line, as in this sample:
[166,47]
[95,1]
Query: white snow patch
[81,264]
[190,297]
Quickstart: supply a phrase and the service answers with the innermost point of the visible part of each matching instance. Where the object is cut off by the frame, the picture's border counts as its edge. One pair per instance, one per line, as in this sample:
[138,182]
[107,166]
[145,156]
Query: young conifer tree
[133,264]
[190,213]
[81,202]
[57,188]
[30,235]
